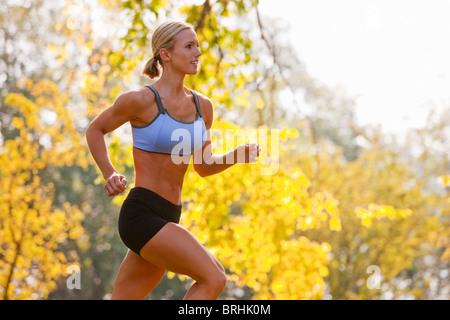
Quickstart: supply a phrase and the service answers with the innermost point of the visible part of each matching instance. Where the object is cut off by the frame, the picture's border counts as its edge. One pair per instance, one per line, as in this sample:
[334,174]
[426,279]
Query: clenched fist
[115,184]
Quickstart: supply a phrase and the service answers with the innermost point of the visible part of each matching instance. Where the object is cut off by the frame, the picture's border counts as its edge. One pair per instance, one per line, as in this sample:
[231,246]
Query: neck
[171,83]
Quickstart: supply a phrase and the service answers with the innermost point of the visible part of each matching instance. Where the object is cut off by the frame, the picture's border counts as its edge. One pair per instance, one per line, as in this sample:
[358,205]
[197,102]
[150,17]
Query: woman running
[170,123]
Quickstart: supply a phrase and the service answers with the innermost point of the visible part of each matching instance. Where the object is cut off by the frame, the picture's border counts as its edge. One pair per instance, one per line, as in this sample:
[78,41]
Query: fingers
[115,185]
[252,151]
[123,181]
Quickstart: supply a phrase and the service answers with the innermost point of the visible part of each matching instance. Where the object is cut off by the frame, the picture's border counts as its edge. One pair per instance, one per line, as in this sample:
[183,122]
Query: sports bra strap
[197,103]
[163,110]
[158,100]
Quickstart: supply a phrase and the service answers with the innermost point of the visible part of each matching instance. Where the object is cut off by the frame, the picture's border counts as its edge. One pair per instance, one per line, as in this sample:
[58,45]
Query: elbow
[201,170]
[93,132]
[90,131]
[201,173]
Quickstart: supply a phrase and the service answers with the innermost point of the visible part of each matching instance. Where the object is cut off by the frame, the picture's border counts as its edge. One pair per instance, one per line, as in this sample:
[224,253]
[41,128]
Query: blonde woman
[148,221]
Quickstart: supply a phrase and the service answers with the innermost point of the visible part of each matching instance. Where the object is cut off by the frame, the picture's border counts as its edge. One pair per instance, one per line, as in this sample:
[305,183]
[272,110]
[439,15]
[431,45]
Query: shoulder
[134,102]
[207,109]
[133,98]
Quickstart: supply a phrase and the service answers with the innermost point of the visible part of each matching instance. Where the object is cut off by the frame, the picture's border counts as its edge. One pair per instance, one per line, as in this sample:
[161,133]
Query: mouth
[195,62]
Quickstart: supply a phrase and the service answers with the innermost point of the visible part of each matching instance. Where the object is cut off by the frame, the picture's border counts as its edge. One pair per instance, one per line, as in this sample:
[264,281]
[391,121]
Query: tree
[34,231]
[250,220]
[386,219]
[426,150]
[309,221]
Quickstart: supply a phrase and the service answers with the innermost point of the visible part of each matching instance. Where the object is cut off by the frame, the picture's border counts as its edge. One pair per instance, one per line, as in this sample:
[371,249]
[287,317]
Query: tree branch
[206,9]
[273,53]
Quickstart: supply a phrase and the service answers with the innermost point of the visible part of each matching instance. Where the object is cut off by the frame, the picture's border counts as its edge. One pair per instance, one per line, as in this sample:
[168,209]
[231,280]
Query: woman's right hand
[115,184]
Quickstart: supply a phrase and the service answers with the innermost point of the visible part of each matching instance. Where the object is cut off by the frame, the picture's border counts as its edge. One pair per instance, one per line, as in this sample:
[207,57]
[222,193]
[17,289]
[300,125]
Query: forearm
[216,163]
[97,146]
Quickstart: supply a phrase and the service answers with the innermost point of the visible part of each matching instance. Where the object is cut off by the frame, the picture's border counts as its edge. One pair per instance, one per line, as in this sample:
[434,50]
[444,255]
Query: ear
[164,54]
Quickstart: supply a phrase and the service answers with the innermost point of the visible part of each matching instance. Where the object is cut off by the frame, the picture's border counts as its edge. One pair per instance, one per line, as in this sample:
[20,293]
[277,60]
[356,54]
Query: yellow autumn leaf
[446,180]
[335,224]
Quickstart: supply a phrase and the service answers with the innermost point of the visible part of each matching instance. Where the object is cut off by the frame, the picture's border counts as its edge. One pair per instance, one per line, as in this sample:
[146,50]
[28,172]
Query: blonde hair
[163,38]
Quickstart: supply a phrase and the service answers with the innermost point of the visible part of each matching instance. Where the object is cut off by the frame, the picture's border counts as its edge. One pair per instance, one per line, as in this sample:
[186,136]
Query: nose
[198,53]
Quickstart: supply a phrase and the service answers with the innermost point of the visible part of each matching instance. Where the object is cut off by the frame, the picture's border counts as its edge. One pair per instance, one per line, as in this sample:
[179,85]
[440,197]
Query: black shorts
[142,215]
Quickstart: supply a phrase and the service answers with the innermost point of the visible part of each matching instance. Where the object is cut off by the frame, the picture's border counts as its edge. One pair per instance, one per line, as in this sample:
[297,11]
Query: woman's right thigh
[174,248]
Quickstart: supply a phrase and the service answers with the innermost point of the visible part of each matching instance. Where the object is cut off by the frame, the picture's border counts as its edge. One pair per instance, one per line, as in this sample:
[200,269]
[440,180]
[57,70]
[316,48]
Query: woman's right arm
[121,111]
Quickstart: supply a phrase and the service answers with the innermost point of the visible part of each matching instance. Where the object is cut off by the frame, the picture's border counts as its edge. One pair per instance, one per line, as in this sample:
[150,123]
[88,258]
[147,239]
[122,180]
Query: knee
[221,280]
[216,281]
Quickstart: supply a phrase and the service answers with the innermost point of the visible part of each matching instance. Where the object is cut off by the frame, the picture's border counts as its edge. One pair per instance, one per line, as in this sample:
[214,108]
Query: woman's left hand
[247,153]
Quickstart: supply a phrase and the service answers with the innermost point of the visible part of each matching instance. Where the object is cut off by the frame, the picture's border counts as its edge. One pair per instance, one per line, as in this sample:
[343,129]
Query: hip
[144,201]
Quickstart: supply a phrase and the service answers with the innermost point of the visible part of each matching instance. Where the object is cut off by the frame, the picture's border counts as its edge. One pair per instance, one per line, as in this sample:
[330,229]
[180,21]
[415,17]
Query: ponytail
[152,68]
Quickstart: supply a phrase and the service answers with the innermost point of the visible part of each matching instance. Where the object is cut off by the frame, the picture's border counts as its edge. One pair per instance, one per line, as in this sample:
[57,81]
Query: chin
[192,73]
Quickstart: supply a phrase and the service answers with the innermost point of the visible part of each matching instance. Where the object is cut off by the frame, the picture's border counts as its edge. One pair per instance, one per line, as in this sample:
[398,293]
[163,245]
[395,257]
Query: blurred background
[354,96]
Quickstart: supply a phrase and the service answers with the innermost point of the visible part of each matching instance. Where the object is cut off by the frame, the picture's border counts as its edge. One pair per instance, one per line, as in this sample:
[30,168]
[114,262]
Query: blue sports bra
[166,135]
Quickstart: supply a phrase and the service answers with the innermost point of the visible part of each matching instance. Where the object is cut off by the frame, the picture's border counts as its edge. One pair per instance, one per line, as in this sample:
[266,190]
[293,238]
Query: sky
[391,56]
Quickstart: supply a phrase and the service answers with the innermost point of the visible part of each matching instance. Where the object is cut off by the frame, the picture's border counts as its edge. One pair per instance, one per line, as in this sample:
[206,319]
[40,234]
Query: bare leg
[176,249]
[136,278]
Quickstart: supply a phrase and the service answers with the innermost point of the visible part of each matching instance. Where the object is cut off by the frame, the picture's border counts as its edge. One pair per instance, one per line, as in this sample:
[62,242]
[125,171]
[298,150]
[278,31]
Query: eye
[189,46]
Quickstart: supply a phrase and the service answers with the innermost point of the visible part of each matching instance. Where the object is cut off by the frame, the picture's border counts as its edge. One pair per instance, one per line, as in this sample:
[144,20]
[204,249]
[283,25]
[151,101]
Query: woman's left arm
[206,163]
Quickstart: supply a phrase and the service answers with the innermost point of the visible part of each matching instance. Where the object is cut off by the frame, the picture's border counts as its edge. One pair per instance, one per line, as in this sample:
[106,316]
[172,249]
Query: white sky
[394,56]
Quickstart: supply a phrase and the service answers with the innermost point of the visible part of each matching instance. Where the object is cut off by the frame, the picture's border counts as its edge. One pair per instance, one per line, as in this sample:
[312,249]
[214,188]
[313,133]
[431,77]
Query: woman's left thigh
[136,278]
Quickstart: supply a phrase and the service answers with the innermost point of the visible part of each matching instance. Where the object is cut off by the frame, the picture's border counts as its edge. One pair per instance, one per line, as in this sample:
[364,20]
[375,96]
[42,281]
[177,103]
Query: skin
[173,248]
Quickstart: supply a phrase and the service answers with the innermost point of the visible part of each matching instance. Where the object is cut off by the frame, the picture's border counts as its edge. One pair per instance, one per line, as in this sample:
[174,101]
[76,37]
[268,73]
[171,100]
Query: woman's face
[186,53]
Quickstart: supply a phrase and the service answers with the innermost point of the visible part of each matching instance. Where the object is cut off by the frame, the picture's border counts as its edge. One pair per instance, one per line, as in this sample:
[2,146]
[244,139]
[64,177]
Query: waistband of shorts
[139,193]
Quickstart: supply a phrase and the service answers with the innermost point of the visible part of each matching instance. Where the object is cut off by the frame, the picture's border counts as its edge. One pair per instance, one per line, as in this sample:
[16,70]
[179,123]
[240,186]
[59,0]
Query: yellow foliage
[375,211]
[446,181]
[383,221]
[251,222]
[32,229]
